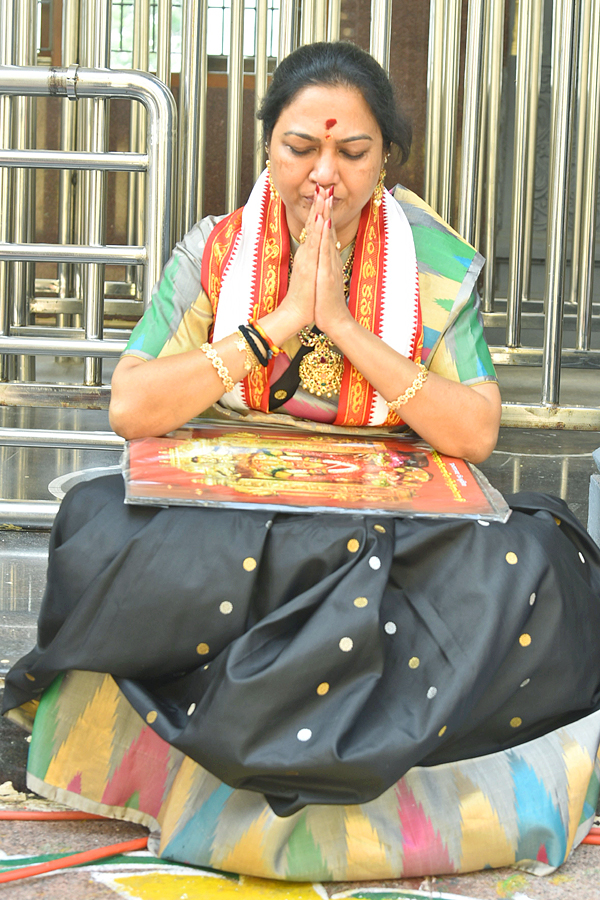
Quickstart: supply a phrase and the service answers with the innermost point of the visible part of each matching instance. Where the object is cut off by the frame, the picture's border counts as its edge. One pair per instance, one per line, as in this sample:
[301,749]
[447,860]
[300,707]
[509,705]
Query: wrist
[282,324]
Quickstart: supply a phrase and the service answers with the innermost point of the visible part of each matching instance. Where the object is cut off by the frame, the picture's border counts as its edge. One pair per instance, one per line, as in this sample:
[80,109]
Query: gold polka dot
[525,640]
[249,564]
[414,662]
[30,677]
[226,607]
[151,717]
[346,644]
[557,520]
[280,395]
[511,558]
[361,602]
[353,545]
[202,649]
[516,722]
[205,667]
[442,731]
[379,528]
[322,689]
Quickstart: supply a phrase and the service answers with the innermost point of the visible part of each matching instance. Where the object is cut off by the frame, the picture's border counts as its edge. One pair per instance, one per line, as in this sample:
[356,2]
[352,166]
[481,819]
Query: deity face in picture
[327,136]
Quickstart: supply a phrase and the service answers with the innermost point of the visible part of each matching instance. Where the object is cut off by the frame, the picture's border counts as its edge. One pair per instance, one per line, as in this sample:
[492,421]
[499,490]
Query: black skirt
[317,658]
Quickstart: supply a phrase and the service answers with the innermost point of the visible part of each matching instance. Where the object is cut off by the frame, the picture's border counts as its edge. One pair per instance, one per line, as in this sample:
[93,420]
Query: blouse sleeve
[180,315]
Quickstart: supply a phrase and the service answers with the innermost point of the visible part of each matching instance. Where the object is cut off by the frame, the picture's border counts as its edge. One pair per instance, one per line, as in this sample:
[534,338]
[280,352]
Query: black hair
[337,63]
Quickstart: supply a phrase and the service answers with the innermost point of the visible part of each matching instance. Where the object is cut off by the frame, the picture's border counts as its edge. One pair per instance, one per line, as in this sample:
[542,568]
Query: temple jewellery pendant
[320,371]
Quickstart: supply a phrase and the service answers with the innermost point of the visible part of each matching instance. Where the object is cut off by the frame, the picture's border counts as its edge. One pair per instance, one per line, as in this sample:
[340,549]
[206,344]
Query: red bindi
[330,123]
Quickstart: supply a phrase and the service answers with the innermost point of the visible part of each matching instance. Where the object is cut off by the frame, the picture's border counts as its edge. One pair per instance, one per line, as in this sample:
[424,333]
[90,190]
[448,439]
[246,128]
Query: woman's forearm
[454,418]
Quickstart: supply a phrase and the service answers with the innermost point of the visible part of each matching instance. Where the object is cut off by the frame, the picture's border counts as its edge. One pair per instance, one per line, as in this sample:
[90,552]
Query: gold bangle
[251,362]
[410,392]
[219,365]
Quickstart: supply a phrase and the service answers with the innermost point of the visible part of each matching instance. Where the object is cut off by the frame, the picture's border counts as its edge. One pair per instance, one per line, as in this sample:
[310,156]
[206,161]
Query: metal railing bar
[61,346]
[38,514]
[192,116]
[73,440]
[128,309]
[115,254]
[68,332]
[287,31]
[6,36]
[235,97]
[381,31]
[523,415]
[334,20]
[533,356]
[65,159]
[558,191]
[447,136]
[40,394]
[472,121]
[433,129]
[260,82]
[163,41]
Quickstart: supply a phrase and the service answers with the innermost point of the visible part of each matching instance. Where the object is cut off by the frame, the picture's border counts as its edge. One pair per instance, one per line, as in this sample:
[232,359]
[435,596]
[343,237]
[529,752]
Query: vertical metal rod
[449,106]
[485,137]
[581,90]
[564,478]
[433,135]
[192,116]
[22,179]
[235,99]
[320,23]
[333,20]
[6,43]
[585,281]
[260,82]
[163,41]
[562,59]
[526,102]
[471,130]
[307,22]
[68,141]
[97,50]
[381,31]
[494,95]
[287,30]
[137,132]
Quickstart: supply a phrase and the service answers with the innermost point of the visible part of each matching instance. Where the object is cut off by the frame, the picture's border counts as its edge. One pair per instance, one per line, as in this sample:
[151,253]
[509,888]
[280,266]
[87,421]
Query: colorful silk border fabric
[527,807]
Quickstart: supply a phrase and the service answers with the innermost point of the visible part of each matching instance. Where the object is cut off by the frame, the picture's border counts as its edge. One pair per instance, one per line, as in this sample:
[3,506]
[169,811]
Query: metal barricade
[78,83]
[572,180]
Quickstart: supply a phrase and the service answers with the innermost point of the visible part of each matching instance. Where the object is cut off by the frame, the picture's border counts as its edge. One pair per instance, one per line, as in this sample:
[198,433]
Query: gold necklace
[321,370]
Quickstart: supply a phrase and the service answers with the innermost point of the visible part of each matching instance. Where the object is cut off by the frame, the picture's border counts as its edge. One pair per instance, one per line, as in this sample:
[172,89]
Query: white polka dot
[525,683]
[226,607]
[390,628]
[269,523]
[581,557]
[346,644]
[532,598]
[191,708]
[375,562]
[304,734]
[431,693]
[482,522]
[206,666]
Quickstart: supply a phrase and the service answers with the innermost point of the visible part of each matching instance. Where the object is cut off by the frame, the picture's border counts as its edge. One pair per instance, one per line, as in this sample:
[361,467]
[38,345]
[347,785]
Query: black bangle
[259,337]
[262,358]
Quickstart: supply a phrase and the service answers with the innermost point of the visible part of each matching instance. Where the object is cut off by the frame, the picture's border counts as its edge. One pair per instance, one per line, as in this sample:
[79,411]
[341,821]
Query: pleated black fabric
[316,658]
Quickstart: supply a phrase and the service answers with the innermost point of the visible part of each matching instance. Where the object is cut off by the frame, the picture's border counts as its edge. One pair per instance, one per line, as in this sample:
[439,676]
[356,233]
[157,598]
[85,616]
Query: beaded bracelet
[219,365]
[410,392]
[253,324]
[251,362]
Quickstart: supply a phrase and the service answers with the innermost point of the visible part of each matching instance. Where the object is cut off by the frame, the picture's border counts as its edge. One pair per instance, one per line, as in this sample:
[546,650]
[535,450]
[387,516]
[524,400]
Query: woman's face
[326,136]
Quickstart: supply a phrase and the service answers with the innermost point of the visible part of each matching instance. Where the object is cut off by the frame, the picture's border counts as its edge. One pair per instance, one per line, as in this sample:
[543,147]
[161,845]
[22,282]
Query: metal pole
[68,141]
[6,42]
[260,82]
[22,178]
[287,30]
[494,95]
[381,31]
[192,116]
[585,281]
[235,98]
[581,90]
[137,132]
[333,20]
[449,106]
[562,59]
[307,22]
[97,50]
[526,103]
[484,136]
[433,135]
[471,131]
[320,23]
[163,41]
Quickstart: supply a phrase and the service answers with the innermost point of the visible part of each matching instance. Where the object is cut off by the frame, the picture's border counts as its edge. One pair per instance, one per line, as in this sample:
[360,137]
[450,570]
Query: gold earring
[272,187]
[380,187]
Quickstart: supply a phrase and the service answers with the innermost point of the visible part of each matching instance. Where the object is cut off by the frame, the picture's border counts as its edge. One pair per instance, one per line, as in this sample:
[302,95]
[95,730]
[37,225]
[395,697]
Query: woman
[314,661]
